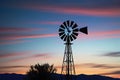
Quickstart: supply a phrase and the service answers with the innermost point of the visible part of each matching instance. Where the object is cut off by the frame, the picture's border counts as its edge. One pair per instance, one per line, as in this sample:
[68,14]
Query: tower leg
[68,63]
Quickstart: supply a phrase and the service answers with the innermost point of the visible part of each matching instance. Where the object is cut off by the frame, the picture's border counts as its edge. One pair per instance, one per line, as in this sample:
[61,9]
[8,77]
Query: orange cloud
[112,73]
[19,69]
[94,65]
[18,66]
[94,68]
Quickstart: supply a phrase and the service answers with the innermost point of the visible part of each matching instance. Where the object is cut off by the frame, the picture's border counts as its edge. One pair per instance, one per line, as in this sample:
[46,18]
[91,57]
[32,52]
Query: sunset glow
[29,35]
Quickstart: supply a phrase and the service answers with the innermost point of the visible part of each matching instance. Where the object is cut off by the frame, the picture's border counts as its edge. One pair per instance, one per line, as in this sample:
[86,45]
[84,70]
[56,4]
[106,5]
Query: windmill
[68,32]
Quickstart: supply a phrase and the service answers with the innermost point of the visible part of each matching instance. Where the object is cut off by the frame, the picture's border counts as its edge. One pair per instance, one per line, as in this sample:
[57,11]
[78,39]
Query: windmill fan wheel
[68,31]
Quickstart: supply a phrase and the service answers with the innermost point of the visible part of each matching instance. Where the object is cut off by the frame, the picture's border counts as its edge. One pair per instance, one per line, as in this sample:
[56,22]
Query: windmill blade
[68,23]
[62,37]
[62,26]
[71,23]
[76,34]
[75,30]
[65,38]
[61,30]
[65,24]
[71,39]
[60,34]
[74,26]
[74,37]
[84,30]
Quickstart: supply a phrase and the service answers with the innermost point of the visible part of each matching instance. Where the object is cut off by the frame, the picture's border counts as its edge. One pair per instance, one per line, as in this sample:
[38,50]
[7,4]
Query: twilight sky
[29,35]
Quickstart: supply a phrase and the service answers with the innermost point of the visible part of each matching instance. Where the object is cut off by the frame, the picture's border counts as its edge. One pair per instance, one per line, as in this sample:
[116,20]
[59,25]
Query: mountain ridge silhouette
[15,76]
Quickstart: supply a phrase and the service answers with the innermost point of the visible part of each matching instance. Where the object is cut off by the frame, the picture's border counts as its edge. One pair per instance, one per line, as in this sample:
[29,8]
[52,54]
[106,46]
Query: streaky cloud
[77,7]
[49,22]
[98,34]
[12,35]
[102,34]
[20,38]
[14,54]
[95,65]
[15,29]
[112,54]
[76,10]
[102,66]
[78,3]
[32,56]
[112,73]
[18,66]
[25,36]
[9,42]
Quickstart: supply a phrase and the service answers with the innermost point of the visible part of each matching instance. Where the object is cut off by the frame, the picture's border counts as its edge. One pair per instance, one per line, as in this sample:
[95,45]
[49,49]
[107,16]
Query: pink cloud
[11,35]
[93,12]
[77,11]
[49,22]
[13,42]
[102,34]
[31,56]
[14,29]
[6,55]
[16,37]
[40,55]
[95,35]
[20,56]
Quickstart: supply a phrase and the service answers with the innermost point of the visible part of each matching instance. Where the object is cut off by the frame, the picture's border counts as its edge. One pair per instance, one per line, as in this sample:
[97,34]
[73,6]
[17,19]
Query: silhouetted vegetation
[41,72]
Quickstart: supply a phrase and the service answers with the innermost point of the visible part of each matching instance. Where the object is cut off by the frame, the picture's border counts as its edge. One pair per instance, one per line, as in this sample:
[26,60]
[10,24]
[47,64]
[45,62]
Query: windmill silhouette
[68,32]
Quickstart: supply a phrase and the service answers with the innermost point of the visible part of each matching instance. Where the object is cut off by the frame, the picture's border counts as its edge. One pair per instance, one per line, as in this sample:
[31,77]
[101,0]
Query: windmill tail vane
[84,30]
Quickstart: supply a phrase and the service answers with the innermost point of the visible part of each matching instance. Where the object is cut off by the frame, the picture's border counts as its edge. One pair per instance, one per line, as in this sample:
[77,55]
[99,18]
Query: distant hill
[12,77]
[78,77]
[94,77]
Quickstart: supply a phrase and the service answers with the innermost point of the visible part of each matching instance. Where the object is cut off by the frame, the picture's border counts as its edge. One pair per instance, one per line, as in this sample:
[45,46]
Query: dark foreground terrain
[78,77]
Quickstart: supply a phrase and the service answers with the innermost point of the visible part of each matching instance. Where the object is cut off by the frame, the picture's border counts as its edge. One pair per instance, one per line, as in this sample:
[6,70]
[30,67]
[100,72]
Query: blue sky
[29,35]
